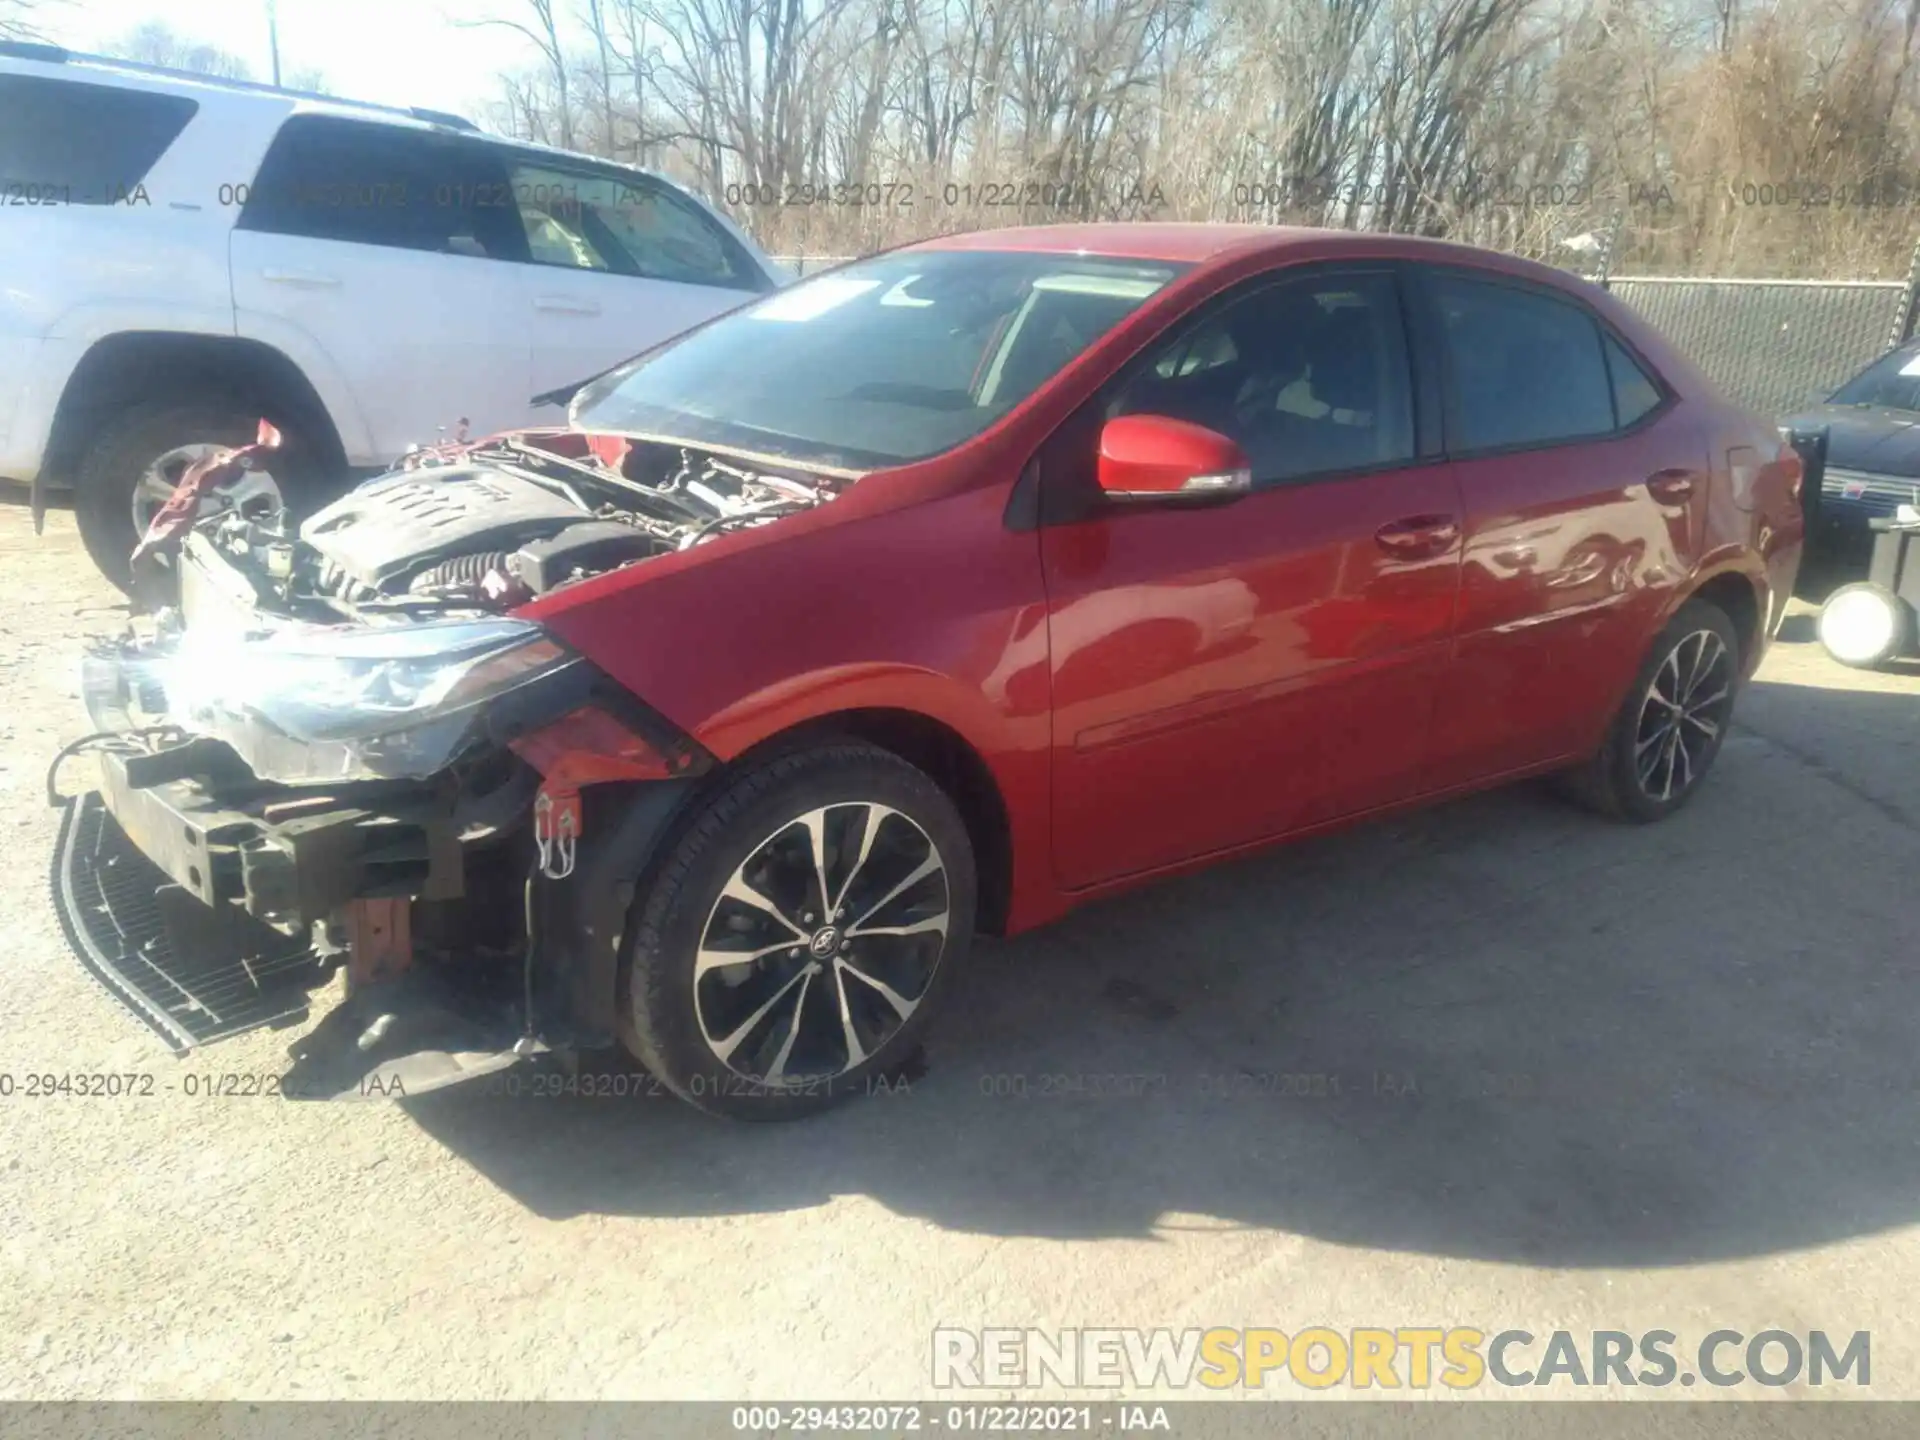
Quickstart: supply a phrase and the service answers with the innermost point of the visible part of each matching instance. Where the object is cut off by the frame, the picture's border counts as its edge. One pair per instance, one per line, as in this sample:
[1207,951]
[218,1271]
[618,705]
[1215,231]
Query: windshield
[1892,380]
[880,362]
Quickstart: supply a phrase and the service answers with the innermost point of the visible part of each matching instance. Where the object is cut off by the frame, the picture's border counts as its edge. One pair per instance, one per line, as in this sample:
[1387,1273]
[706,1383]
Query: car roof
[54,62]
[1206,243]
[1142,240]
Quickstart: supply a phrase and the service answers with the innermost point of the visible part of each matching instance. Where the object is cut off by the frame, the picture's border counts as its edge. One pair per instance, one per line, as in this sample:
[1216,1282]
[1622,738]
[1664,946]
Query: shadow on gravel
[1499,1029]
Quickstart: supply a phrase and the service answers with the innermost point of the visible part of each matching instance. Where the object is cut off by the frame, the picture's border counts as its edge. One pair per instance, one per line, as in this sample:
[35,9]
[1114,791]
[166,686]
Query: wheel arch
[947,758]
[631,827]
[141,367]
[1741,598]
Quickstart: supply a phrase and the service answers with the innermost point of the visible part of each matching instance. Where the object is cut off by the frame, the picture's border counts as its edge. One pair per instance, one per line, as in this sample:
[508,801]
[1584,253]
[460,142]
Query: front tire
[1675,718]
[801,933]
[131,466]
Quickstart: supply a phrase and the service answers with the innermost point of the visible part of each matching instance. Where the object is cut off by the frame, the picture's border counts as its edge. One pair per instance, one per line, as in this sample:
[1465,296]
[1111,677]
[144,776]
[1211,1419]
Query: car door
[617,263]
[1583,487]
[1227,673]
[379,254]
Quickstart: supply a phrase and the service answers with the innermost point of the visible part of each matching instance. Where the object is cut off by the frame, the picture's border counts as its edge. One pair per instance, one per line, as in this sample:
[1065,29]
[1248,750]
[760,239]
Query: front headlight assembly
[308,706]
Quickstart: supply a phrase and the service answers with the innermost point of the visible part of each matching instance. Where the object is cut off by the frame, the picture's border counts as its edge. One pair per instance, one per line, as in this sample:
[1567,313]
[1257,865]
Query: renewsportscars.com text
[1403,1357]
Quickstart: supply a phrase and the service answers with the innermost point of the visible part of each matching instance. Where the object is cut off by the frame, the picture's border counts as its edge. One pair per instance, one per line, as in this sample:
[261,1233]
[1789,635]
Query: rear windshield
[878,362]
[66,143]
[1892,380]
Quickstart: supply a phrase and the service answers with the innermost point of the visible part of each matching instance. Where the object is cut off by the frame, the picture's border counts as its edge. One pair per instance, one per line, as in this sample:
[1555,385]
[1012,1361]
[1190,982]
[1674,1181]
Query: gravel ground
[1590,1077]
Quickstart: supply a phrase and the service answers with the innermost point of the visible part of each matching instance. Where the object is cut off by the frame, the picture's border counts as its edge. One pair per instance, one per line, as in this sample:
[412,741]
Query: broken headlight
[324,705]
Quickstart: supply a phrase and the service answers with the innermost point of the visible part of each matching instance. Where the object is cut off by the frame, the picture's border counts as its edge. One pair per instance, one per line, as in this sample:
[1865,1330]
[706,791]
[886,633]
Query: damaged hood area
[488,526]
[377,643]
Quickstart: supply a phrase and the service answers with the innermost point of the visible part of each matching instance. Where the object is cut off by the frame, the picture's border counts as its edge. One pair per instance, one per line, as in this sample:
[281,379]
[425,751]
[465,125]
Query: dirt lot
[1589,1077]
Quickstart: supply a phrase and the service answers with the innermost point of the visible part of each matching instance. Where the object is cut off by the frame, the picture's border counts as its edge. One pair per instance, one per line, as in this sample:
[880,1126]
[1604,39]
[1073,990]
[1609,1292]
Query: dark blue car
[1873,446]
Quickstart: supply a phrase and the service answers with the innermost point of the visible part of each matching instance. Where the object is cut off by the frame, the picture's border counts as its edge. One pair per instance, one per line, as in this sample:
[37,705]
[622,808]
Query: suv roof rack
[60,55]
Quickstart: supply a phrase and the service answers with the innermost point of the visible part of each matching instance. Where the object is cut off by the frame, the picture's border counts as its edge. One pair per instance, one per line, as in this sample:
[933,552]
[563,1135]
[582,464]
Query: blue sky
[396,52]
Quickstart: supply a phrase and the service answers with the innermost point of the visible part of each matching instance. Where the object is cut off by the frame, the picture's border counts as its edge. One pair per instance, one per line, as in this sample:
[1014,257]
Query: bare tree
[1727,136]
[156,43]
[544,33]
[310,79]
[17,18]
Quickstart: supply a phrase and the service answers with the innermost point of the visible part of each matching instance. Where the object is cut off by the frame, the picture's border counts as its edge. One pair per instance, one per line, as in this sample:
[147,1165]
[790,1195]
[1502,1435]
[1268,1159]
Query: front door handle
[562,305]
[1418,536]
[305,279]
[1670,487]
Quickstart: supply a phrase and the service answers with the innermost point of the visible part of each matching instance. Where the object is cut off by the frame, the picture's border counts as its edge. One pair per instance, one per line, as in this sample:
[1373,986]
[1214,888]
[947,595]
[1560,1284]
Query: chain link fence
[1773,345]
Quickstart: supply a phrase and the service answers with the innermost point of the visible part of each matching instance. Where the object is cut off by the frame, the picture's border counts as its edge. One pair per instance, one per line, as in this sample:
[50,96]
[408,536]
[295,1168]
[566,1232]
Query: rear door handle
[1670,487]
[562,305]
[1418,535]
[306,279]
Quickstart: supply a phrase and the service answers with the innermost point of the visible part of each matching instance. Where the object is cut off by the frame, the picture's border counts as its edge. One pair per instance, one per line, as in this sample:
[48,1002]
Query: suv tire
[132,443]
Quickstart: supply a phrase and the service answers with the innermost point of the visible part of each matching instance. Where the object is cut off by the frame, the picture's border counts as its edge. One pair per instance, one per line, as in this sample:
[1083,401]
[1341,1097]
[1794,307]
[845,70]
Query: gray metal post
[1608,244]
[1904,316]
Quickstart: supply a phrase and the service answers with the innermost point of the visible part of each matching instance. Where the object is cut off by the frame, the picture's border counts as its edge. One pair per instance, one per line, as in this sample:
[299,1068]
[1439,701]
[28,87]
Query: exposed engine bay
[333,748]
[485,527]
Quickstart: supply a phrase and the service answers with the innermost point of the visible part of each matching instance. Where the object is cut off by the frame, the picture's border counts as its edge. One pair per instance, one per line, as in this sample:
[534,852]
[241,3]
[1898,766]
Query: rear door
[616,263]
[1225,674]
[1584,489]
[384,255]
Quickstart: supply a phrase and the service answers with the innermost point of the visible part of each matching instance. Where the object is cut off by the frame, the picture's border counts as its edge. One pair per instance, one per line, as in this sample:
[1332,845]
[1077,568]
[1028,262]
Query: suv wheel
[131,468]
[1670,729]
[800,934]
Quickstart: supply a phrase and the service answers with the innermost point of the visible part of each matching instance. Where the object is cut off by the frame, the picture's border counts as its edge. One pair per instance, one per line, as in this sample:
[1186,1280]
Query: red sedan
[932,595]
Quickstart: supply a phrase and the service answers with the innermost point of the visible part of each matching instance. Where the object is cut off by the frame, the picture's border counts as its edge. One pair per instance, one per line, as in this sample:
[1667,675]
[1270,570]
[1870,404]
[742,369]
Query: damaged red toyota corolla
[929,596]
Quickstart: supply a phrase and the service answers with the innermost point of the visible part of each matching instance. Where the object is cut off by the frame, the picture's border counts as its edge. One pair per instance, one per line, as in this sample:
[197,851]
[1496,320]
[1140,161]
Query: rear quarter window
[1635,396]
[69,143]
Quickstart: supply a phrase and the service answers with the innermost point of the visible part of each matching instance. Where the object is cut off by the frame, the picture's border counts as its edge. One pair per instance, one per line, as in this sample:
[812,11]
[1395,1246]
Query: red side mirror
[1155,457]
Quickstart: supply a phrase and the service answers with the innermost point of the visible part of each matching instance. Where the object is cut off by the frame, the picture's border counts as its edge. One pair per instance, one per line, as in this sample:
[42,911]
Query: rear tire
[1671,726]
[838,991]
[133,443]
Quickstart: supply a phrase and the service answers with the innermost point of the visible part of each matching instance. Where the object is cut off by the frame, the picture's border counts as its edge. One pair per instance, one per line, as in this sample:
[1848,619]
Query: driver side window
[1309,376]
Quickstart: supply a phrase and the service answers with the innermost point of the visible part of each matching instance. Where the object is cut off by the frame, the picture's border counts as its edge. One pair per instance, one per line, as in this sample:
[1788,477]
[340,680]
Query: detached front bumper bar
[212,902]
[193,972]
[191,892]
[199,973]
[286,858]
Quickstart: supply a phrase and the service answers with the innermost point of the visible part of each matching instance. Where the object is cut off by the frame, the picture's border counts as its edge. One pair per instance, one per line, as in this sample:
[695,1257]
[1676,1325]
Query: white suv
[180,256]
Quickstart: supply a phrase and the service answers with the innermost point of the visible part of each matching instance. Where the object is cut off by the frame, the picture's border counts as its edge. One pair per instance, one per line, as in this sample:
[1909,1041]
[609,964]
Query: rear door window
[385,185]
[67,143]
[1527,368]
